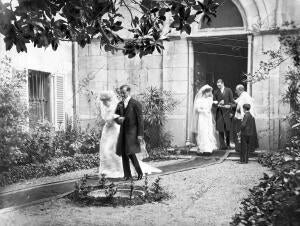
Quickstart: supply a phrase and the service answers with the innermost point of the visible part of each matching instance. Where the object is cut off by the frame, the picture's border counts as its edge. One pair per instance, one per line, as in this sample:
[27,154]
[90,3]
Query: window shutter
[59,102]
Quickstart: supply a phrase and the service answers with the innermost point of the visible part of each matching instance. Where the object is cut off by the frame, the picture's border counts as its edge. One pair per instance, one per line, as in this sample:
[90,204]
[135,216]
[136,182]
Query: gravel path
[75,174]
[204,196]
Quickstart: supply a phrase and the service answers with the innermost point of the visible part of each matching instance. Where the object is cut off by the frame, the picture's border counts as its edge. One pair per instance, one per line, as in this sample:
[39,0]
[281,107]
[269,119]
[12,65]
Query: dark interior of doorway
[222,57]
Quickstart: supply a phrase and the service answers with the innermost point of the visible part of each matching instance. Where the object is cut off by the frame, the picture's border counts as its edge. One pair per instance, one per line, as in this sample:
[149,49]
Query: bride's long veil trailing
[199,99]
[107,112]
[110,163]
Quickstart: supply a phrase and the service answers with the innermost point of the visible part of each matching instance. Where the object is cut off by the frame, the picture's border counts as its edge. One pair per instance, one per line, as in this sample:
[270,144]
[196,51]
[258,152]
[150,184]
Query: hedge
[52,167]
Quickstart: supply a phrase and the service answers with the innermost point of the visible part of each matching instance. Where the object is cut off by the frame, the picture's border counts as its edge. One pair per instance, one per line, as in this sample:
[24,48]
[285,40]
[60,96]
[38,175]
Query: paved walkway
[41,193]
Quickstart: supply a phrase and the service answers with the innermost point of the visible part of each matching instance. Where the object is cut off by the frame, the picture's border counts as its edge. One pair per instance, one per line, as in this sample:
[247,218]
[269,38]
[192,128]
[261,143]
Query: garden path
[203,196]
[9,201]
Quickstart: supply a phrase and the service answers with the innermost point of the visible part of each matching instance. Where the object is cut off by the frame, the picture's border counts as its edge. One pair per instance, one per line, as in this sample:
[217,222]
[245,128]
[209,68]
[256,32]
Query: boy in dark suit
[247,134]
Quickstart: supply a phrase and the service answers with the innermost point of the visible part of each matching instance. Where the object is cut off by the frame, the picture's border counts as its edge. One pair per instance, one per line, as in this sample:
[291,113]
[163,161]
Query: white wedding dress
[110,162]
[204,123]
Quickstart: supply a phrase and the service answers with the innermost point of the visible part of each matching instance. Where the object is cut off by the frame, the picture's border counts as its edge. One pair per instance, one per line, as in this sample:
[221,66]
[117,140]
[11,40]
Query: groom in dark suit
[131,132]
[223,101]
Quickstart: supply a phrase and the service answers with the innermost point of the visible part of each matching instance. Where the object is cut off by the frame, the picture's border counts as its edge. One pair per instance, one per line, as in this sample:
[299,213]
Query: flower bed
[106,193]
[52,167]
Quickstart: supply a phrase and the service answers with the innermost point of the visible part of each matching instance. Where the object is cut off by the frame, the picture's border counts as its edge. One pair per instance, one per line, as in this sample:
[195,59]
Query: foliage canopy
[47,22]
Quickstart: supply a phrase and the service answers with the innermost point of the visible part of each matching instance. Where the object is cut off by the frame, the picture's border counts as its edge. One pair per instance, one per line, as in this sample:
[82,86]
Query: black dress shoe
[140,176]
[127,178]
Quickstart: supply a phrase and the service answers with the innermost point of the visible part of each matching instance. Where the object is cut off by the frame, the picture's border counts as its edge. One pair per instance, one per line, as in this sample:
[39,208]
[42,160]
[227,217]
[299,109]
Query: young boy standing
[248,134]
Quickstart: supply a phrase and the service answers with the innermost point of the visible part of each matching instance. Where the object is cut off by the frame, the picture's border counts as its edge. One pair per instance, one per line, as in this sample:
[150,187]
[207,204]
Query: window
[39,94]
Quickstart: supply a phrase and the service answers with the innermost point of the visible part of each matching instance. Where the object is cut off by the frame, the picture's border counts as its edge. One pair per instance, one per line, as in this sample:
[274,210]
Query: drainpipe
[189,100]
[74,80]
[161,85]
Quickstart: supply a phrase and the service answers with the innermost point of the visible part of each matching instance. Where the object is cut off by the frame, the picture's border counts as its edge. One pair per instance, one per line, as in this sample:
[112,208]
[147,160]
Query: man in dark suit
[248,134]
[223,100]
[131,131]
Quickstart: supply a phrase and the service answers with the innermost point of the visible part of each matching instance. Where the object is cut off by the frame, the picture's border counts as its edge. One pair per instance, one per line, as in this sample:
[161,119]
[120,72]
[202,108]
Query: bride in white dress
[110,162]
[203,121]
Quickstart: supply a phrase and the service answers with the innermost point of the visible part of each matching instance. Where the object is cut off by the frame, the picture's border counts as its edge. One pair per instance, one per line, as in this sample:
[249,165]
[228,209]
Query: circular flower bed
[106,193]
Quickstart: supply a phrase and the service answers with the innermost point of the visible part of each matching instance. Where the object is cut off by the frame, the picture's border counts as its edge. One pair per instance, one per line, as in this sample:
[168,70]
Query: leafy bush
[276,200]
[52,167]
[38,144]
[156,105]
[74,139]
[43,143]
[65,141]
[12,114]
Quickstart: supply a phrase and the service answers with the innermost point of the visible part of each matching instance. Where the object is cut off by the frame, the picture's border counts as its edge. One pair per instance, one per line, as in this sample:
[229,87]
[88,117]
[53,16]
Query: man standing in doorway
[223,101]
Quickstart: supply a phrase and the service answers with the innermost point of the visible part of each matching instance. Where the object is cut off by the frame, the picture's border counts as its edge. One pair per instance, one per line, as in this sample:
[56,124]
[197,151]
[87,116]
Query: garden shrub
[52,167]
[276,200]
[42,143]
[156,105]
[74,139]
[38,143]
[13,114]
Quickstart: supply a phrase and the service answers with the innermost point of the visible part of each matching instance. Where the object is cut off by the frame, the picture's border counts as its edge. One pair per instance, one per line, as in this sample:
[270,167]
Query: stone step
[255,154]
[237,159]
[193,151]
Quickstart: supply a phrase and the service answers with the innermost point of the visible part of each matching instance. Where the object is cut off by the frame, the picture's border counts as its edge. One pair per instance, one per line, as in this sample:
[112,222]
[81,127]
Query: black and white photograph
[150,112]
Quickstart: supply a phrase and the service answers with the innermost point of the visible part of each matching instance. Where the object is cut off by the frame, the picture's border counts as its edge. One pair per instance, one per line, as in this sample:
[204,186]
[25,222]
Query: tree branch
[107,38]
[128,9]
[141,5]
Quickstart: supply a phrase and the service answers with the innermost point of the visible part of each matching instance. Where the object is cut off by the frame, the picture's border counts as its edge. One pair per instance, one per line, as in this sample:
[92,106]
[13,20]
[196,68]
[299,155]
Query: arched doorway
[221,49]
[222,56]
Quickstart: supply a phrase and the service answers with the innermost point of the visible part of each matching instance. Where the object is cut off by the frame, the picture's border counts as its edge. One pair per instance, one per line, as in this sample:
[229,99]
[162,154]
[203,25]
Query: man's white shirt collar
[222,89]
[126,101]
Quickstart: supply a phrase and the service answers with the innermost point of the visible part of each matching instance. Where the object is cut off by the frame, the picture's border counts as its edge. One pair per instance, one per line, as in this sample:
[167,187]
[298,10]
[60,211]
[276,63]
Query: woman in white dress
[110,162]
[203,121]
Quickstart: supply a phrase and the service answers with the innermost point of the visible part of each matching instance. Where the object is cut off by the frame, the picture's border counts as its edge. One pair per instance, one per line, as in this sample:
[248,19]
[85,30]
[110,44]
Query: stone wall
[268,95]
[171,71]
[175,79]
[167,71]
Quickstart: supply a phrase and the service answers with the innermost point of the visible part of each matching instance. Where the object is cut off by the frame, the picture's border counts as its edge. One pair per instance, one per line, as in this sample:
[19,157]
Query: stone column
[250,61]
[190,81]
